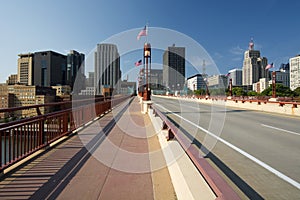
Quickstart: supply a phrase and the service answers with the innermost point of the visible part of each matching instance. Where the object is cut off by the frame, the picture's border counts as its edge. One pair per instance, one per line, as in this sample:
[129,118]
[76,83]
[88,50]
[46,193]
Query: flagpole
[147,25]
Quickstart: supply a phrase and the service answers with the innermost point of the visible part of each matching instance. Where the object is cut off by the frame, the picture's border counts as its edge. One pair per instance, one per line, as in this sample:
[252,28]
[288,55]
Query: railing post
[164,126]
[170,135]
[1,170]
[65,122]
[42,135]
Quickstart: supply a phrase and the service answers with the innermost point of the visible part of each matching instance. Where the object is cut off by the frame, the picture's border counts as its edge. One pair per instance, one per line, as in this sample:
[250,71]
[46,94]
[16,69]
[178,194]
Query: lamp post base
[145,106]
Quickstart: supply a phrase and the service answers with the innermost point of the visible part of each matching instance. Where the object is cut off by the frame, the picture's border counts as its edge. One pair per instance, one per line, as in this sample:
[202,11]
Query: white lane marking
[280,129]
[257,161]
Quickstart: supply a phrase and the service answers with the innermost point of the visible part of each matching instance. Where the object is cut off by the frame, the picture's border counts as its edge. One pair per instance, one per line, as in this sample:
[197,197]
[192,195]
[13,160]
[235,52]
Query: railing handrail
[51,104]
[39,131]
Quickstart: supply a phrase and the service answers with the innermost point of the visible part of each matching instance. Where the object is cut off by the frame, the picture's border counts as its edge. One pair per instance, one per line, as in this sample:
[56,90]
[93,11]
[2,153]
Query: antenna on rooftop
[203,68]
[251,44]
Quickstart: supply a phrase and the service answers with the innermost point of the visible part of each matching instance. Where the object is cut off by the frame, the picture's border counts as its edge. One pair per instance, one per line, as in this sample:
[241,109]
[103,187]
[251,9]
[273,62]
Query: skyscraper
[174,68]
[49,69]
[25,69]
[253,66]
[107,69]
[236,75]
[75,65]
[156,78]
[295,72]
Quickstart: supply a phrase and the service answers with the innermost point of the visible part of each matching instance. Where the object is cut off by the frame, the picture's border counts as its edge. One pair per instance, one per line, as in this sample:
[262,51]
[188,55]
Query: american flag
[269,66]
[143,32]
[138,63]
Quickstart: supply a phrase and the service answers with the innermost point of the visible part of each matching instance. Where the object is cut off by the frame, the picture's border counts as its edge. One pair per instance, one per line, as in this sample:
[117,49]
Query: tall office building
[174,68]
[12,79]
[283,77]
[253,66]
[25,69]
[284,67]
[295,72]
[219,81]
[50,69]
[236,76]
[75,68]
[107,69]
[156,79]
[89,81]
[196,82]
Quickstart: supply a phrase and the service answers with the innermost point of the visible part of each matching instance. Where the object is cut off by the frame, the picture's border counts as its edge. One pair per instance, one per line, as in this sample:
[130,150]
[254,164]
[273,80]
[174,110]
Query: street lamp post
[273,84]
[206,88]
[147,61]
[230,87]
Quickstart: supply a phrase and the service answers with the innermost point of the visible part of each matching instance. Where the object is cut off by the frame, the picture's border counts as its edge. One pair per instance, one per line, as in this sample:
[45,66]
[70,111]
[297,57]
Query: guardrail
[21,138]
[264,104]
[280,101]
[219,186]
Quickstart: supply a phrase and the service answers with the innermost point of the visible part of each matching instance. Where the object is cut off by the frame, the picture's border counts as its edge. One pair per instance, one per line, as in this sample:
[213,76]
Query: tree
[200,92]
[267,91]
[281,91]
[297,92]
[252,93]
[237,91]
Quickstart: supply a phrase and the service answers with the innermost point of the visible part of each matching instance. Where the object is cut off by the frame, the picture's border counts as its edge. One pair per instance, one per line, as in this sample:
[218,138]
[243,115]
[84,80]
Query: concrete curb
[187,181]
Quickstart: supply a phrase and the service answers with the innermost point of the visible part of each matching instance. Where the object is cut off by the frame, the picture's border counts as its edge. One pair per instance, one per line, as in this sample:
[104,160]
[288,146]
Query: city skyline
[223,28]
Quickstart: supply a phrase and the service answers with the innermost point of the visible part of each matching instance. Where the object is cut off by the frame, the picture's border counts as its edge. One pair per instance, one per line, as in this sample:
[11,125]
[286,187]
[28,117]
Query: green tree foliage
[297,92]
[237,91]
[252,93]
[281,91]
[200,92]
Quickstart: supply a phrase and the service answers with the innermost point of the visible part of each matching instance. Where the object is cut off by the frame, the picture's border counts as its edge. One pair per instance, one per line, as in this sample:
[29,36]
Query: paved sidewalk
[109,159]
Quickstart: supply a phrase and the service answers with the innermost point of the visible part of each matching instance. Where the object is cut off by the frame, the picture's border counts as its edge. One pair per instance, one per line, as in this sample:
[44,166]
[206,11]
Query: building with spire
[253,66]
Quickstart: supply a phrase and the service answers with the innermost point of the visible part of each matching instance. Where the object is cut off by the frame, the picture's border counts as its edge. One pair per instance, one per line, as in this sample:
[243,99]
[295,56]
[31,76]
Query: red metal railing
[21,138]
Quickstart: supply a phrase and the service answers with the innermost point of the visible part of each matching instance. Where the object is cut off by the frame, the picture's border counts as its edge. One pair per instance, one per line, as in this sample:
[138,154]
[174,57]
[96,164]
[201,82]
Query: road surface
[257,153]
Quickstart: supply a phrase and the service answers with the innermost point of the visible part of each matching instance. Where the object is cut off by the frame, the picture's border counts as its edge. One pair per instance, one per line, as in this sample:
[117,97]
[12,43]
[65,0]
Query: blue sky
[223,28]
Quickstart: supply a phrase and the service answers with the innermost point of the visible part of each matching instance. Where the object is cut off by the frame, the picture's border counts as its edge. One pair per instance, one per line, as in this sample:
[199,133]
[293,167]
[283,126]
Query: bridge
[182,149]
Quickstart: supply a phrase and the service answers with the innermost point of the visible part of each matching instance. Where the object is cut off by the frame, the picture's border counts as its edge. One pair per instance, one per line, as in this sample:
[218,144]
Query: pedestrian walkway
[110,158]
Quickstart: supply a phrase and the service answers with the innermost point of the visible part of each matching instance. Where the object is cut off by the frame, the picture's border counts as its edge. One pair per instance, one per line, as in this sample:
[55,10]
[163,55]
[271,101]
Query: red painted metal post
[274,84]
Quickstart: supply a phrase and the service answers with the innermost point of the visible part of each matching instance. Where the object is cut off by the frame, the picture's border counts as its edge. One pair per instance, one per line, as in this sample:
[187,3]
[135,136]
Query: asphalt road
[257,153]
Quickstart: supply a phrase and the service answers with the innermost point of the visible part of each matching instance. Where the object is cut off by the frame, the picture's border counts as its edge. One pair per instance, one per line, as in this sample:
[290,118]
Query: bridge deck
[109,159]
